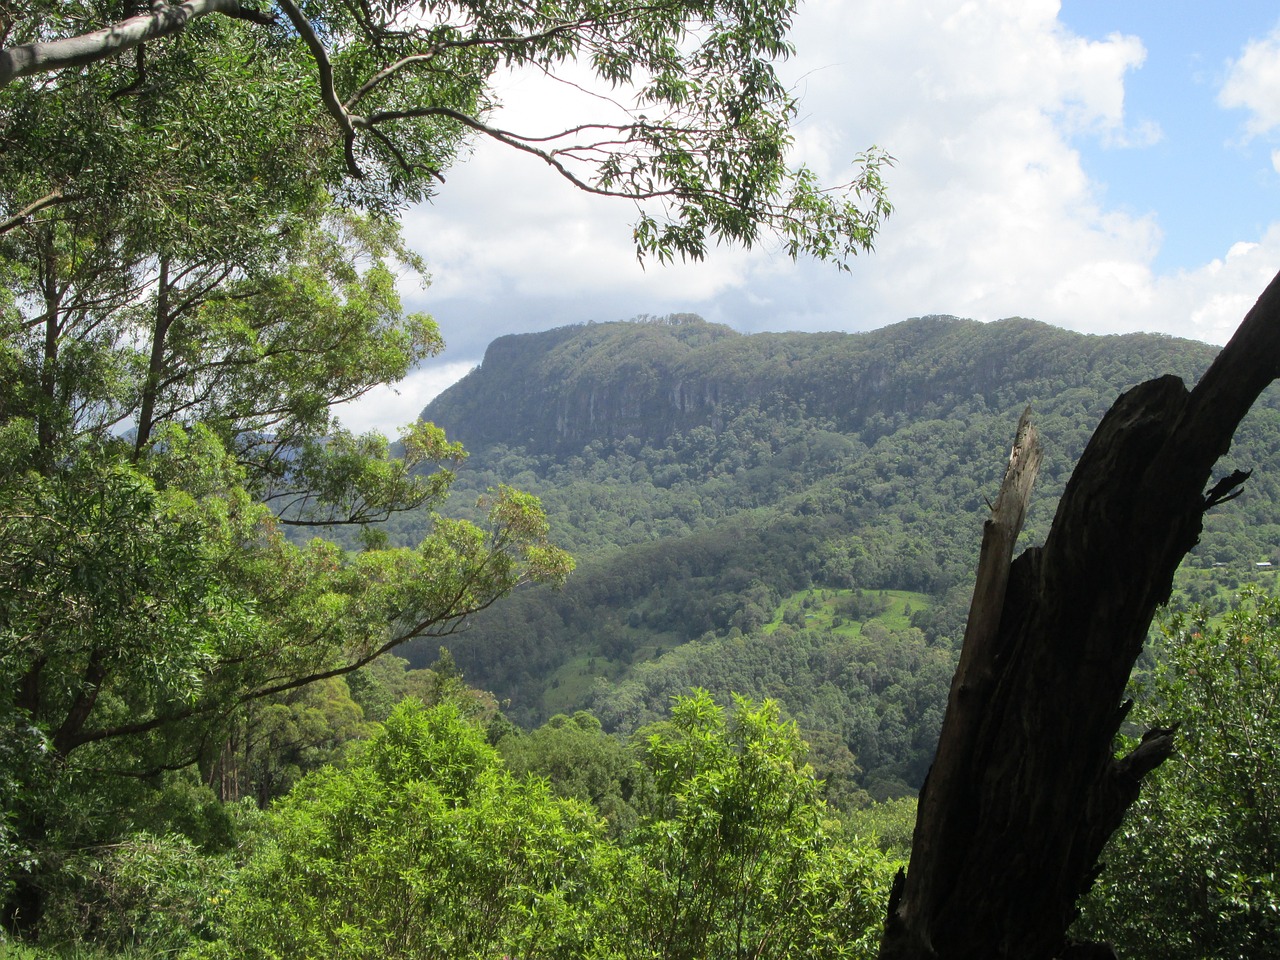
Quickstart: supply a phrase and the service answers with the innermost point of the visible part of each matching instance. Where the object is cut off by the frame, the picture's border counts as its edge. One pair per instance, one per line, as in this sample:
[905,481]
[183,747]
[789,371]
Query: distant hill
[556,391]
[748,509]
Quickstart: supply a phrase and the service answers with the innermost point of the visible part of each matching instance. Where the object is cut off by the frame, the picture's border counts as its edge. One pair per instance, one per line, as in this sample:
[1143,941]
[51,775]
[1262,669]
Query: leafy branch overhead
[200,260]
[694,128]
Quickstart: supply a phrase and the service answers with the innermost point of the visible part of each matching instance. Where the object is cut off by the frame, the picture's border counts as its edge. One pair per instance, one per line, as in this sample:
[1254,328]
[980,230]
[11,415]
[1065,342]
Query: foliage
[198,260]
[891,824]
[580,761]
[734,860]
[712,483]
[425,845]
[178,322]
[1192,872]
[377,101]
[155,893]
[140,617]
[157,883]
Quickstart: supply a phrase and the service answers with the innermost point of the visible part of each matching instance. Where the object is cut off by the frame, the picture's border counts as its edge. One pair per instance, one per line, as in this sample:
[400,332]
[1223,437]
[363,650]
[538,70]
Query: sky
[1107,166]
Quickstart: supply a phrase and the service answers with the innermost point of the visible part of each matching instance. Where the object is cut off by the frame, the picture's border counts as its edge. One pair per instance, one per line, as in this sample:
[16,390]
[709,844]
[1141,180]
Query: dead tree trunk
[1025,788]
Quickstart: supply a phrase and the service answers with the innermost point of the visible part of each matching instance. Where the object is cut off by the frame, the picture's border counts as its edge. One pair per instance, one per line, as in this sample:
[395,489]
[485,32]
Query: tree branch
[328,93]
[43,57]
[31,209]
[443,624]
[525,144]
[439,47]
[401,159]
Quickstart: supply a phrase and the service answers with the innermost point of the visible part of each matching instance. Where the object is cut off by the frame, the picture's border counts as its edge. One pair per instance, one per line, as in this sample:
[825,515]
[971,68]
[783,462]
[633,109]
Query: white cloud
[387,409]
[1215,298]
[506,225]
[1253,84]
[981,101]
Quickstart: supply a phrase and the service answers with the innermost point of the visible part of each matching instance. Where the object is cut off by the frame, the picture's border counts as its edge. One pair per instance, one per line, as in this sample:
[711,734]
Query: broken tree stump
[1025,788]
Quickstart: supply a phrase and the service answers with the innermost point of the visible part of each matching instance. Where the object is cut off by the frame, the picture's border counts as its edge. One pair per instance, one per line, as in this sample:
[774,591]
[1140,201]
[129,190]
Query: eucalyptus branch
[164,20]
[402,160]
[328,93]
[48,200]
[388,72]
[451,621]
[517,42]
[525,144]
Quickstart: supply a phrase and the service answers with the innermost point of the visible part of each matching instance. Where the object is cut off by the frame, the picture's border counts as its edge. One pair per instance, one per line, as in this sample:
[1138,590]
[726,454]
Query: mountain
[793,515]
[556,391]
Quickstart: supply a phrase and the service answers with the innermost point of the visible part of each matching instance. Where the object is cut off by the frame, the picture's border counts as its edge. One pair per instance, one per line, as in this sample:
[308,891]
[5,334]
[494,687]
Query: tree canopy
[198,260]
[427,845]
[375,100]
[1192,871]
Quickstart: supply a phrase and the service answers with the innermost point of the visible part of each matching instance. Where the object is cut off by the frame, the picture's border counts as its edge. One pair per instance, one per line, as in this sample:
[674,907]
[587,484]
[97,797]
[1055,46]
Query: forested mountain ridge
[553,391]
[740,504]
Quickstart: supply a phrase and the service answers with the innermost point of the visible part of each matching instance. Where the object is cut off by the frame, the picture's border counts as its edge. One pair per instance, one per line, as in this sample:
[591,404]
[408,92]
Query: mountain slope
[710,480]
[556,391]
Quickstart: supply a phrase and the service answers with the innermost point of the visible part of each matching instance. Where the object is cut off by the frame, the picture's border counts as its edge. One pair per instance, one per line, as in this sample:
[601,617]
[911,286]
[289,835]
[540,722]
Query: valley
[793,516]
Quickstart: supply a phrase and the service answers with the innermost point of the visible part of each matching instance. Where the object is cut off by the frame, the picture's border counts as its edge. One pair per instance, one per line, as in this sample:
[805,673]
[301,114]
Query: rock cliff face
[554,391]
[565,387]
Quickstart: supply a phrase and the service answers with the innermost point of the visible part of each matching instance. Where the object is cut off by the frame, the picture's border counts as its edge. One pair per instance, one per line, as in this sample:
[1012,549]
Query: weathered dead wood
[974,677]
[1025,788]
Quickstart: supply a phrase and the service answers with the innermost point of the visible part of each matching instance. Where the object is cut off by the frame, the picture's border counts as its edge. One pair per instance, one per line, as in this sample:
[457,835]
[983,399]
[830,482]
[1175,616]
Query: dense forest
[788,515]
[707,742]
[704,744]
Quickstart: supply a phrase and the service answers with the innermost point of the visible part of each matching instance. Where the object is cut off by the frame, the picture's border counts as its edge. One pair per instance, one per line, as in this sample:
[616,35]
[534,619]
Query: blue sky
[1208,186]
[1104,166]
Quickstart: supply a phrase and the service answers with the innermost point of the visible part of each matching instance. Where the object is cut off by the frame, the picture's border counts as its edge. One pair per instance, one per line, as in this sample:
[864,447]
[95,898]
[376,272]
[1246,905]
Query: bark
[1026,788]
[52,291]
[155,366]
[34,58]
[31,209]
[67,736]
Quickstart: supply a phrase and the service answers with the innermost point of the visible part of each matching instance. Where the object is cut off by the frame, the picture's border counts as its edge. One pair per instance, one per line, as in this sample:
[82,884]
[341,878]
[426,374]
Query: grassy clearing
[571,684]
[845,611]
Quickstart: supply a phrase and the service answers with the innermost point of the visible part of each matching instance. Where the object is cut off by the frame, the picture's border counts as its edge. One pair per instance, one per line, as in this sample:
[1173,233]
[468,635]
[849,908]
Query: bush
[1192,873]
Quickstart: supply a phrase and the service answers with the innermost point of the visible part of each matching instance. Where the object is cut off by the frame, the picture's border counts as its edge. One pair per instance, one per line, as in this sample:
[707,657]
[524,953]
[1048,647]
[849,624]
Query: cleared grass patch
[845,611]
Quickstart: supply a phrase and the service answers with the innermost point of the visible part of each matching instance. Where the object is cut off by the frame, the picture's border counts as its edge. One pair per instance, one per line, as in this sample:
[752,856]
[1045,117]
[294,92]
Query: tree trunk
[1026,788]
[155,366]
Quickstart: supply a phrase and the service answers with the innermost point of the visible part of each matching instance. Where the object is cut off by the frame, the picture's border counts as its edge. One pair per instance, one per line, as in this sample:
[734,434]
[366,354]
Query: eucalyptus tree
[199,259]
[695,131]
[183,304]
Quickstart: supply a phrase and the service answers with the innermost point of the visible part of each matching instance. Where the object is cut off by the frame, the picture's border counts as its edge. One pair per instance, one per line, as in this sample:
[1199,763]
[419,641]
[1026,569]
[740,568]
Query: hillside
[557,391]
[709,482]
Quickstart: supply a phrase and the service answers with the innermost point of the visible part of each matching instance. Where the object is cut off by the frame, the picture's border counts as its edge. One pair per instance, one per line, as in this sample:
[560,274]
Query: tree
[1026,788]
[423,847]
[426,846]
[199,260]
[172,349]
[582,762]
[1192,871]
[140,621]
[733,860]
[391,90]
